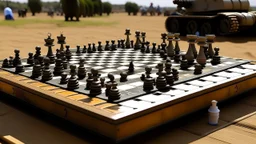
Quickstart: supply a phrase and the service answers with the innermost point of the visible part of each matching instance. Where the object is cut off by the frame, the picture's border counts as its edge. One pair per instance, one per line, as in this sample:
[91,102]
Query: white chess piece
[213,113]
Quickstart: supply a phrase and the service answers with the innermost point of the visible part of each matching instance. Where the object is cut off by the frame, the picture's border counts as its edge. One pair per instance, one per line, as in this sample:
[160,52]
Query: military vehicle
[220,17]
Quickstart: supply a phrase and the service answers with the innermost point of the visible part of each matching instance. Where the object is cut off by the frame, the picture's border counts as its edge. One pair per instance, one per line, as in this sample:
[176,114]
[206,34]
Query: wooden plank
[235,135]
[208,140]
[11,140]
[78,97]
[200,126]
[67,93]
[235,111]
[249,122]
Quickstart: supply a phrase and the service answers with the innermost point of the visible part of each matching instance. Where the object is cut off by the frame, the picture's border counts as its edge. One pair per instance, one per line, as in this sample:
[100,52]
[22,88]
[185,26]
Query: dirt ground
[26,37]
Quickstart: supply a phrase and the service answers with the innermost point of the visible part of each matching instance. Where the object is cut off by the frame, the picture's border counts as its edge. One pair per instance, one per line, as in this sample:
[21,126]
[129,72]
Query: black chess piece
[128,42]
[114,93]
[89,81]
[142,77]
[184,65]
[47,73]
[164,37]
[64,60]
[5,63]
[169,76]
[176,58]
[143,36]
[163,46]
[73,82]
[216,58]
[16,58]
[142,49]
[138,41]
[206,47]
[111,77]
[122,43]
[132,44]
[168,67]
[123,77]
[37,70]
[68,52]
[162,53]
[175,74]
[161,82]
[148,81]
[160,67]
[147,45]
[49,43]
[108,87]
[58,69]
[198,69]
[100,46]
[84,49]
[38,52]
[10,62]
[61,41]
[154,50]
[78,50]
[158,48]
[107,47]
[64,79]
[94,47]
[168,59]
[113,45]
[131,67]
[89,50]
[19,67]
[96,84]
[41,61]
[81,69]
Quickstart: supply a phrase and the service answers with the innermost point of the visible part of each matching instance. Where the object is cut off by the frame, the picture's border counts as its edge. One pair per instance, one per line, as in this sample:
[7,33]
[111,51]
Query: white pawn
[214,113]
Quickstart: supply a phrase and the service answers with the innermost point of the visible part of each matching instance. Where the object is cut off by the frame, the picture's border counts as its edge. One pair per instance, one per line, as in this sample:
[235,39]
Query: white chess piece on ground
[213,113]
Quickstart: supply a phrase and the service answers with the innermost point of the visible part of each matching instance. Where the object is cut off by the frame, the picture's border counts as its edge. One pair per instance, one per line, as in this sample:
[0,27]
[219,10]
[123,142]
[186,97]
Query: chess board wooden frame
[94,114]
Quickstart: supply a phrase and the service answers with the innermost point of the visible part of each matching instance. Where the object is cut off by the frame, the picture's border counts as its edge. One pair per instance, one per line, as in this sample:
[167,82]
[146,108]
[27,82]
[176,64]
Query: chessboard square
[110,66]
[144,61]
[134,76]
[98,67]
[124,63]
[174,92]
[185,87]
[29,70]
[229,63]
[108,70]
[249,66]
[99,63]
[153,98]
[138,64]
[227,74]
[200,83]
[136,104]
[208,64]
[191,68]
[239,70]
[136,84]
[73,62]
[125,87]
[117,76]
[152,65]
[56,77]
[123,68]
[82,83]
[214,78]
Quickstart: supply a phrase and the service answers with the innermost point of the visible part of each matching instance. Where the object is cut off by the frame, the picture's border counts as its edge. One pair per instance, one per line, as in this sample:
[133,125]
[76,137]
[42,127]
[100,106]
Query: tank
[219,17]
[71,8]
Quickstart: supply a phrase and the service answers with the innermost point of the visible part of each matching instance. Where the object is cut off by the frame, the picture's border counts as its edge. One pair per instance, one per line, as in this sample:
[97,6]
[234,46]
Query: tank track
[234,24]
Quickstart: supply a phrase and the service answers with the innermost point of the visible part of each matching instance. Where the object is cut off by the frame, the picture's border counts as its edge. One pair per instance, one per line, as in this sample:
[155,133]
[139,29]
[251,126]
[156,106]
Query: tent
[8,14]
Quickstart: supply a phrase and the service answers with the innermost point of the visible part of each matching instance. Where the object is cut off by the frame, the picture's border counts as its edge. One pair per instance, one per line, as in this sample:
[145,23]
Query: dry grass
[26,33]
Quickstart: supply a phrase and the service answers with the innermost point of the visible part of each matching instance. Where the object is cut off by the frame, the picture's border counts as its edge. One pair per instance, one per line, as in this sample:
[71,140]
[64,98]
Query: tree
[71,8]
[131,8]
[35,6]
[97,7]
[82,8]
[107,7]
[90,7]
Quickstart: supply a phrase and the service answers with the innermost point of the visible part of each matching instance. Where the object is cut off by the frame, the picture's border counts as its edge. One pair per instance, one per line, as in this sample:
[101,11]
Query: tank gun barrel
[183,3]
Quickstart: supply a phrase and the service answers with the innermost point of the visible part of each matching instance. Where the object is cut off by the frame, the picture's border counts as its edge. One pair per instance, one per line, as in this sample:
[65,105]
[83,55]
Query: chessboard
[120,85]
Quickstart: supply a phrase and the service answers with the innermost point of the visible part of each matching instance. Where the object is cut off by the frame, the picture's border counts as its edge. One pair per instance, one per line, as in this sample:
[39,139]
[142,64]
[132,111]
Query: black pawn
[107,47]
[89,50]
[89,81]
[114,93]
[102,82]
[99,46]
[142,77]
[122,43]
[175,74]
[108,87]
[119,43]
[78,50]
[132,43]
[81,69]
[37,70]
[148,81]
[64,60]
[30,59]
[147,49]
[123,77]
[131,67]
[216,58]
[198,69]
[84,49]
[161,82]
[154,50]
[10,61]
[96,84]
[47,74]
[5,63]
[38,52]
[58,69]
[16,58]
[184,65]
[158,48]
[19,67]
[73,82]
[64,79]
[94,47]
[176,58]
[113,45]
[68,52]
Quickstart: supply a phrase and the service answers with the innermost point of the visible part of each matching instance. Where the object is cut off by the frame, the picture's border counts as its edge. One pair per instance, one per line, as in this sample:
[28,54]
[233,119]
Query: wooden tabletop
[237,125]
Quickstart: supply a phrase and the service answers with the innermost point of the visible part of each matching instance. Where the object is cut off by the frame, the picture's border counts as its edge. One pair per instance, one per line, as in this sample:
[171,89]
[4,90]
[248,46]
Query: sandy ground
[26,37]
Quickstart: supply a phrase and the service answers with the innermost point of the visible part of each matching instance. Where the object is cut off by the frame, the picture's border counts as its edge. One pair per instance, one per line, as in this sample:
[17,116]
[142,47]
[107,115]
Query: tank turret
[220,17]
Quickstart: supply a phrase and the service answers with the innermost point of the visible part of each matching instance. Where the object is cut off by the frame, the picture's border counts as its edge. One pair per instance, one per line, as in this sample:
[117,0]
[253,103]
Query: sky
[163,3]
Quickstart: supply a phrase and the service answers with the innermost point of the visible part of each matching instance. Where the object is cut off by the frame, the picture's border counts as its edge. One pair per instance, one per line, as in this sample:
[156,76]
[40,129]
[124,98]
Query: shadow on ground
[167,132]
